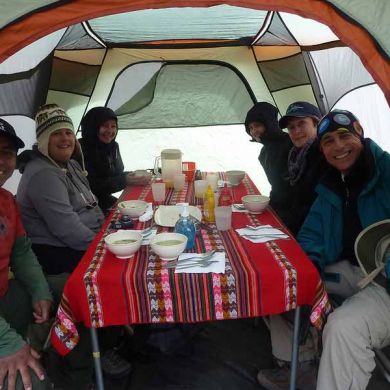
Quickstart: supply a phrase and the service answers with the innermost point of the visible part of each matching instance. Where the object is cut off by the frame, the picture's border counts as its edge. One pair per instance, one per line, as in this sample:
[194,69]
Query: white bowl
[132,208]
[123,250]
[255,204]
[161,247]
[235,177]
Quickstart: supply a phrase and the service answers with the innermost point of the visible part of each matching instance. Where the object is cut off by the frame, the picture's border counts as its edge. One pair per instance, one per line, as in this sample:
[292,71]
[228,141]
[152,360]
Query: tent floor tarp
[221,355]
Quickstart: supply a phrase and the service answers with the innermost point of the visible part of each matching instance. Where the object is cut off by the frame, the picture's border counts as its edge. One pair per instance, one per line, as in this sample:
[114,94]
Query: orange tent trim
[19,34]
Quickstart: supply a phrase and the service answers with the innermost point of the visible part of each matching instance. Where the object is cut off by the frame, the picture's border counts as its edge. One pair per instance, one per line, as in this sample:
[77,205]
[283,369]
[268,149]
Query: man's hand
[41,311]
[20,361]
[137,180]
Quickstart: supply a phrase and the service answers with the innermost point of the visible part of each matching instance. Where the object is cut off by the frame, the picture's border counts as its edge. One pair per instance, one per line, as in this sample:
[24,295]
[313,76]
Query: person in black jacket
[103,161]
[261,124]
[306,164]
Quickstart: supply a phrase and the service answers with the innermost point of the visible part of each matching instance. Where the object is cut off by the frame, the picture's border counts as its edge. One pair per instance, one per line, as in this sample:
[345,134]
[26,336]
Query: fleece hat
[299,110]
[264,113]
[8,131]
[92,121]
[339,119]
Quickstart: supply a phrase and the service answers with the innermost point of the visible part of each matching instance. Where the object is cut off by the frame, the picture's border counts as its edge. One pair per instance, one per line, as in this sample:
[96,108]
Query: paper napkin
[148,214]
[262,234]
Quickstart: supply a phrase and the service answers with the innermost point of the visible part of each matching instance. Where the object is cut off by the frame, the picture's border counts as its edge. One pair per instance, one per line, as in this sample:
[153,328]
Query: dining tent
[180,64]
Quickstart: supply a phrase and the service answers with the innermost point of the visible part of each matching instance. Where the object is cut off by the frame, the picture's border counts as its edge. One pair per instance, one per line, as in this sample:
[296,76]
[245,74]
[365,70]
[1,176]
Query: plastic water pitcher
[171,165]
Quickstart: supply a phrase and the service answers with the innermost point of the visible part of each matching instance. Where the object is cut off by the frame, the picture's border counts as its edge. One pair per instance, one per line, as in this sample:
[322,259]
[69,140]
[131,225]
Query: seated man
[18,361]
[354,194]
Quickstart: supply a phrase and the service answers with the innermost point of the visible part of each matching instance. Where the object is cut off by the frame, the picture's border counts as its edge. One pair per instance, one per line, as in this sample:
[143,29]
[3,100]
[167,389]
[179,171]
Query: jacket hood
[92,120]
[25,157]
[265,113]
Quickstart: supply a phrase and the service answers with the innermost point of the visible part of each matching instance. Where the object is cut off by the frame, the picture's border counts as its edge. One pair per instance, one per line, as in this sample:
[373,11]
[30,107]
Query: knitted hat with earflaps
[50,118]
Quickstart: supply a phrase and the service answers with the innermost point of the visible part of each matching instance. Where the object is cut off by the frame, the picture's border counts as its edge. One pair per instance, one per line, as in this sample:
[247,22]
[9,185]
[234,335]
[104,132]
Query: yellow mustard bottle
[209,205]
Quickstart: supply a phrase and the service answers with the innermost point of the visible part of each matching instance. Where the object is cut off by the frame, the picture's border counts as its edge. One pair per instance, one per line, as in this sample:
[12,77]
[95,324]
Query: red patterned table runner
[260,279]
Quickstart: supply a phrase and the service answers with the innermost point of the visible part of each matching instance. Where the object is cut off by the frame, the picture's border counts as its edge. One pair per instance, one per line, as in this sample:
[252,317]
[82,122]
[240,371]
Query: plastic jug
[170,165]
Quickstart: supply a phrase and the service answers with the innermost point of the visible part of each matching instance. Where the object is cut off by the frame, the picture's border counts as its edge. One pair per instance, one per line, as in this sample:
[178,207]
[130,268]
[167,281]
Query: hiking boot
[279,378]
[114,366]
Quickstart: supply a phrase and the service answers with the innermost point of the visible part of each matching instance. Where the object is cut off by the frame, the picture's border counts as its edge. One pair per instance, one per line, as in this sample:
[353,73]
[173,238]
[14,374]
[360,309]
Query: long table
[259,279]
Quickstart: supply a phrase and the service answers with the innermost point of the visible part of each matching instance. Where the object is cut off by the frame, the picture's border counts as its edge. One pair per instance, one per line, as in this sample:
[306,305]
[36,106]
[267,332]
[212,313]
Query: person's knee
[341,327]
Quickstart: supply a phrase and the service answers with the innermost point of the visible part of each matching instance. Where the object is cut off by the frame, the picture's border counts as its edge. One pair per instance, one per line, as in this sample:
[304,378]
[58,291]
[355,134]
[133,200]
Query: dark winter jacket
[274,153]
[103,161]
[302,194]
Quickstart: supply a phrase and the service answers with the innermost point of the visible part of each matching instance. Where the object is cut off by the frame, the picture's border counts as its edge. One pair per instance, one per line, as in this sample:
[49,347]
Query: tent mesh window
[22,93]
[179,95]
[75,38]
[284,73]
[73,77]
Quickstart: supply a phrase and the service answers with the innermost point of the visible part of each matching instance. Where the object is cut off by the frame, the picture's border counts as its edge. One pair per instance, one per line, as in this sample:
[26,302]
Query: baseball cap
[299,110]
[7,130]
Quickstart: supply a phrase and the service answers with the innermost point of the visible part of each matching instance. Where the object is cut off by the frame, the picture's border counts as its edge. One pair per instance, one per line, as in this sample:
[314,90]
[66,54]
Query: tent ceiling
[302,64]
[221,22]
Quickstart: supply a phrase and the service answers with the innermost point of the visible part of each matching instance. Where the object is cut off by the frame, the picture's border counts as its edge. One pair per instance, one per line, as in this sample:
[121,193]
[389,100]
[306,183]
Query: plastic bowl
[235,177]
[132,208]
[116,243]
[255,204]
[168,245]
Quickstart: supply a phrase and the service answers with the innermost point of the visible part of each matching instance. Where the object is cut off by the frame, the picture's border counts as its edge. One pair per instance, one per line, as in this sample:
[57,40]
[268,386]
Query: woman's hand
[133,180]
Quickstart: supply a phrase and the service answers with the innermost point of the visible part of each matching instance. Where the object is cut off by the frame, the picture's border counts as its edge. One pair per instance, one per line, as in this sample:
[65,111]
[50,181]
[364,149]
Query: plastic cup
[158,191]
[223,217]
[200,188]
[212,179]
[178,181]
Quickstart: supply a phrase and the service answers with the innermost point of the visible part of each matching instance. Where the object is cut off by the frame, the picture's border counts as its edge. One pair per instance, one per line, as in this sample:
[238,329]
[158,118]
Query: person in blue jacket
[353,194]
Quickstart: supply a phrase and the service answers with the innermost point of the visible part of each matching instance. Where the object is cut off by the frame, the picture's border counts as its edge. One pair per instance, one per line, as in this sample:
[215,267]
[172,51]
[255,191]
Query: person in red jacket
[19,363]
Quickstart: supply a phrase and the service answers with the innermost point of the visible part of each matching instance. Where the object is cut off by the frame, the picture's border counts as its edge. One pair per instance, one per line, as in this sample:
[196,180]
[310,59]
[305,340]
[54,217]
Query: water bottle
[186,226]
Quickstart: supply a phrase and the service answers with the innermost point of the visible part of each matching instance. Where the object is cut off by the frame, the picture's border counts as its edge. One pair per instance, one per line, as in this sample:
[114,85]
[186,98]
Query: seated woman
[103,161]
[306,164]
[261,124]
[61,216]
[59,211]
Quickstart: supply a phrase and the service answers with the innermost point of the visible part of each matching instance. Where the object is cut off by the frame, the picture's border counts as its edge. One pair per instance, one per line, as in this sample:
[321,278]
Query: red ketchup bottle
[225,197]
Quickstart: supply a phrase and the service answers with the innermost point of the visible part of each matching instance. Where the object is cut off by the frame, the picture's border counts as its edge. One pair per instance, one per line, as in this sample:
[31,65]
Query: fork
[200,257]
[148,230]
[238,206]
[195,264]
